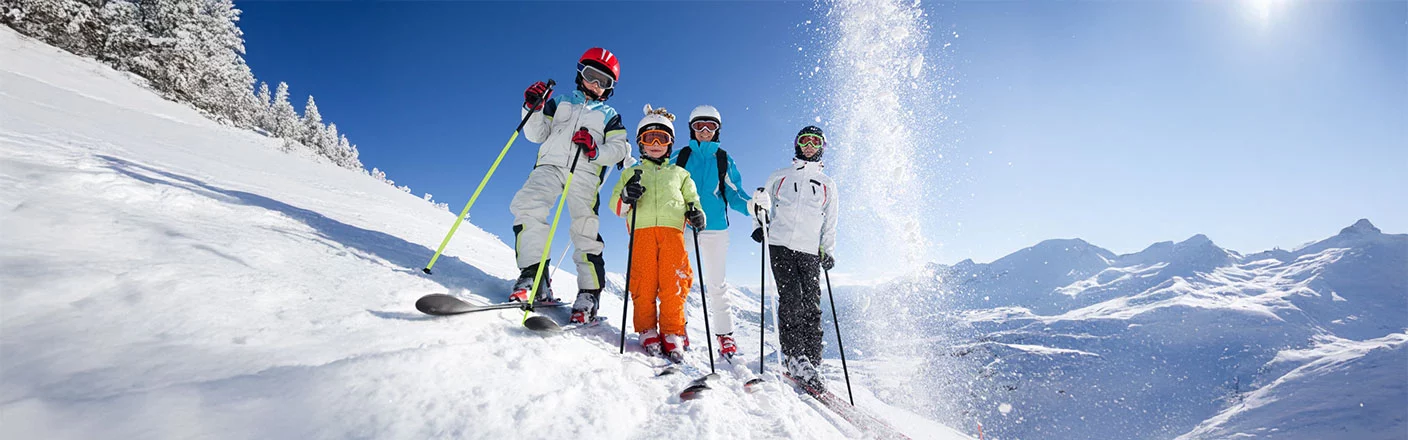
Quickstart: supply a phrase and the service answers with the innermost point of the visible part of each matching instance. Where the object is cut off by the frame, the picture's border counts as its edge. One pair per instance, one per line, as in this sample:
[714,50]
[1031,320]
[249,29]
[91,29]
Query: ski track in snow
[168,277]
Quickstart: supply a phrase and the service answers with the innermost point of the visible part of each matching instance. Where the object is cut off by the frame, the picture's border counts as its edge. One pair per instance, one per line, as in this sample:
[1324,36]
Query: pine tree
[311,133]
[285,119]
[128,45]
[72,25]
[264,119]
[327,143]
[198,56]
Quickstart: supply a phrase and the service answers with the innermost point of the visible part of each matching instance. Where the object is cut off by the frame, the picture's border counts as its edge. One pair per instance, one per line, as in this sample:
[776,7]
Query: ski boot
[674,347]
[727,348]
[584,308]
[525,283]
[650,340]
[804,373]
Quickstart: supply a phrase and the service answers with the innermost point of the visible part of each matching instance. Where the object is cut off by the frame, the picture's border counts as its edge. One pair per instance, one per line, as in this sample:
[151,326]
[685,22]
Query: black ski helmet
[810,129]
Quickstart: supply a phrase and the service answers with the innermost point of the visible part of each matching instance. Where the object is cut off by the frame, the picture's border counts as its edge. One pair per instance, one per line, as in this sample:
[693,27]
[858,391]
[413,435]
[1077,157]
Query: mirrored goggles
[709,126]
[592,74]
[655,138]
[811,140]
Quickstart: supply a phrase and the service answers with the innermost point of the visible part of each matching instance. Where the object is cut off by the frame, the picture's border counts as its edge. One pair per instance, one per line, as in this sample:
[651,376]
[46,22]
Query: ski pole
[483,182]
[762,290]
[630,261]
[839,344]
[543,261]
[703,295]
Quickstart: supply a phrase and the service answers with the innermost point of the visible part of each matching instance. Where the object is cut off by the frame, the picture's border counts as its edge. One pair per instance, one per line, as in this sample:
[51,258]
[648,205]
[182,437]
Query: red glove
[584,140]
[536,95]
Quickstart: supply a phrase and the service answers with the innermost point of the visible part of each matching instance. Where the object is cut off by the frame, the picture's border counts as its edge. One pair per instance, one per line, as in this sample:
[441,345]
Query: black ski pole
[630,261]
[762,290]
[703,295]
[839,344]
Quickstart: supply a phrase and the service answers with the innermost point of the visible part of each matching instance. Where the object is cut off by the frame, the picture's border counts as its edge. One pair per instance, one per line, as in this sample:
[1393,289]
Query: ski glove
[536,95]
[584,140]
[758,234]
[632,191]
[760,201]
[827,262]
[695,217]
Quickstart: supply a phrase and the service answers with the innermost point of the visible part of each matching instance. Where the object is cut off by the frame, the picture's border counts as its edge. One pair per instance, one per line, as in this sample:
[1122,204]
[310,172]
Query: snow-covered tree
[73,25]
[284,118]
[264,119]
[311,133]
[327,144]
[198,54]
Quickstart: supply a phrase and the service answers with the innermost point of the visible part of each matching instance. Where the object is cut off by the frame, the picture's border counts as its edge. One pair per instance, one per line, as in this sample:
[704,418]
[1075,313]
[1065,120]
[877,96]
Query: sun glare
[1260,10]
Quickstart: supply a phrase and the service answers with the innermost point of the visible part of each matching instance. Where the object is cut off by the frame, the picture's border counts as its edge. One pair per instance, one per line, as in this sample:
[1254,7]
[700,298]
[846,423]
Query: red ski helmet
[601,59]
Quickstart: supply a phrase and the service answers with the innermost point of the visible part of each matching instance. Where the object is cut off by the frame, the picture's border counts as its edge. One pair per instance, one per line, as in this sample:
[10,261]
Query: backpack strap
[683,156]
[721,157]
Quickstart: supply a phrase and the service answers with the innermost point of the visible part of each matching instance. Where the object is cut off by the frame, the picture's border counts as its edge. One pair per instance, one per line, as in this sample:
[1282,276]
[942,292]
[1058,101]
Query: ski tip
[754,385]
[668,371]
[426,270]
[542,324]
[439,304]
[693,392]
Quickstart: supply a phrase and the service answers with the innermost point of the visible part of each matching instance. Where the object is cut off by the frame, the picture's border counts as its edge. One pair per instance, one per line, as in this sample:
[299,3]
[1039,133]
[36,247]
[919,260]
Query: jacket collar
[807,166]
[705,148]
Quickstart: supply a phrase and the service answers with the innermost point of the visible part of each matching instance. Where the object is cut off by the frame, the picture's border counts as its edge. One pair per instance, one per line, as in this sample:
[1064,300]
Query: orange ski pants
[660,272]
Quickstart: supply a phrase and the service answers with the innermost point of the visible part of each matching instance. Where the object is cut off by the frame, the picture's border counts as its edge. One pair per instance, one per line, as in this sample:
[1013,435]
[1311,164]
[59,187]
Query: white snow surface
[164,276]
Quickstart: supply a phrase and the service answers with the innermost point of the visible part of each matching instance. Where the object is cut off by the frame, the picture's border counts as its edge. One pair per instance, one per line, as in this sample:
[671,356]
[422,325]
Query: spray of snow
[882,106]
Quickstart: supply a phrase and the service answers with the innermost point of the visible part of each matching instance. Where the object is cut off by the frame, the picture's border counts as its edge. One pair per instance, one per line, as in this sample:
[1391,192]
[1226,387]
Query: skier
[717,178]
[665,199]
[576,126]
[800,203]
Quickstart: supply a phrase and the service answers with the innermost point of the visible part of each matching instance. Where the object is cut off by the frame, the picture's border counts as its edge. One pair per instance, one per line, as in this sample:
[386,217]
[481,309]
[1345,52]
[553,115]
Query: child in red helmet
[577,126]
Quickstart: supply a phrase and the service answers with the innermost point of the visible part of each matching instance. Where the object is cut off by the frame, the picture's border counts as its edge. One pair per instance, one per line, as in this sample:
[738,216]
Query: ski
[545,324]
[855,416]
[440,304]
[697,386]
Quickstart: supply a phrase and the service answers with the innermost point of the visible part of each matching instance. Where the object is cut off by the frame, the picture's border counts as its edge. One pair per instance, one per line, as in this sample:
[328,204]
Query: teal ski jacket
[704,169]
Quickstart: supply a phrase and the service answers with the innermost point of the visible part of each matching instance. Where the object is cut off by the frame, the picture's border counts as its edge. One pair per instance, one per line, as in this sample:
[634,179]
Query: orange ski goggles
[655,138]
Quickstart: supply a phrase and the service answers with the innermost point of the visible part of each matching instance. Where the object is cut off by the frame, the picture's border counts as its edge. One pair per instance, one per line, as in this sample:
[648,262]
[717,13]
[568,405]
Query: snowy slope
[164,276]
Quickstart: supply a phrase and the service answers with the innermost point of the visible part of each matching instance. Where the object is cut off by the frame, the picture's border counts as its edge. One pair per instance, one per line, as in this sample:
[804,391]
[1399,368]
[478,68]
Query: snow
[166,276]
[1181,339]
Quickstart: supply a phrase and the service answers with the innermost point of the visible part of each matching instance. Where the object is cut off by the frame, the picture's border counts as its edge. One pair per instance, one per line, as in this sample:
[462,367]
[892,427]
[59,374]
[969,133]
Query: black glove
[827,262]
[758,234]
[632,191]
[695,217]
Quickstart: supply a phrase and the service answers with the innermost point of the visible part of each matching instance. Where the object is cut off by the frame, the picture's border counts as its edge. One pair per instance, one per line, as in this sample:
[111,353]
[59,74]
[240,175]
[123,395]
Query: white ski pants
[532,209]
[713,245]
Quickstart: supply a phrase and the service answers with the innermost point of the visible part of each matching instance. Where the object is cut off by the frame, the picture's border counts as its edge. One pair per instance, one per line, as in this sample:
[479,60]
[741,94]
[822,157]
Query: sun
[1260,10]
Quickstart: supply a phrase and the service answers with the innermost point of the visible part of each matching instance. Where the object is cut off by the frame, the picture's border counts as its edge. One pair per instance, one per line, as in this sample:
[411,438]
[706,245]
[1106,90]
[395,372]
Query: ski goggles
[592,74]
[709,126]
[655,138]
[811,140]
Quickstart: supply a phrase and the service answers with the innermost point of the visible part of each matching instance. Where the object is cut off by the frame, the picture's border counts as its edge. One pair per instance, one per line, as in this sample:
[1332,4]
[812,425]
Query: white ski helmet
[657,118]
[705,112]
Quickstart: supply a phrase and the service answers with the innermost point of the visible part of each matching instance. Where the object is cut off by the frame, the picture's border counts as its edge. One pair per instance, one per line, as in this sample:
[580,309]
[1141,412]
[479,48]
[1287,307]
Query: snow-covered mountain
[1066,340]
[166,276]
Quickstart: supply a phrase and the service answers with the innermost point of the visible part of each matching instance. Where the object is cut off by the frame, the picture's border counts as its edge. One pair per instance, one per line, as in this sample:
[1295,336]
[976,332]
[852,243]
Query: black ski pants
[799,294]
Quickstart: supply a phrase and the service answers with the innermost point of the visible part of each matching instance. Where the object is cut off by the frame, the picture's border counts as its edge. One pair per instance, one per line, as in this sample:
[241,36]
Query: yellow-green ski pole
[543,260]
[484,181]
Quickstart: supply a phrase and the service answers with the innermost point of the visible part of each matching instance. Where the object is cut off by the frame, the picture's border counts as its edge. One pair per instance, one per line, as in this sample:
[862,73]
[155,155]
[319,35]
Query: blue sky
[1123,123]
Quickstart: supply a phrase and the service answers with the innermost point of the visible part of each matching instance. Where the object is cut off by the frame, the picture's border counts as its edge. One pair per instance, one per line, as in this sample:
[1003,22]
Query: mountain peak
[1361,227]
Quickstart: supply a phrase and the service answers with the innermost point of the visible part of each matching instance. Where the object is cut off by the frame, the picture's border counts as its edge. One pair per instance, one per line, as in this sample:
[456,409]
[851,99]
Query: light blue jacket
[704,169]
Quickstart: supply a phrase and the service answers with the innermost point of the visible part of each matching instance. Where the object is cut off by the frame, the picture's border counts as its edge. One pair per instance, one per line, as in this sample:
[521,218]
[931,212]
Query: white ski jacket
[803,214]
[562,116]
